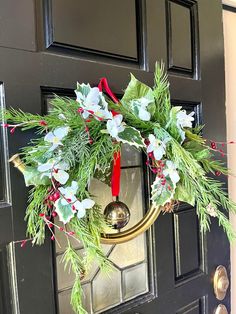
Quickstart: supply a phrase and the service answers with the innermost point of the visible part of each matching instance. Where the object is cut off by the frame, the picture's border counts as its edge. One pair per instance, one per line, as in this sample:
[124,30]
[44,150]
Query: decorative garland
[81,139]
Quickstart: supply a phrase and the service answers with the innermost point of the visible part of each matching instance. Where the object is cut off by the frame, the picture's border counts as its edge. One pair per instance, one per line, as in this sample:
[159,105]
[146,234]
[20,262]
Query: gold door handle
[221,282]
[221,309]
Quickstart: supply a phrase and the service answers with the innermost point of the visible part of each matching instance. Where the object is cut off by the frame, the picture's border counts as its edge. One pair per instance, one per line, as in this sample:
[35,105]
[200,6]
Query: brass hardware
[112,238]
[221,309]
[221,282]
[17,162]
[127,235]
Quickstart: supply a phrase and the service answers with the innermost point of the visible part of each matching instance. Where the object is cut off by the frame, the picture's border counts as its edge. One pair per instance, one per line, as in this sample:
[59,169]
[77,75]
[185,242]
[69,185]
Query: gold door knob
[221,309]
[221,282]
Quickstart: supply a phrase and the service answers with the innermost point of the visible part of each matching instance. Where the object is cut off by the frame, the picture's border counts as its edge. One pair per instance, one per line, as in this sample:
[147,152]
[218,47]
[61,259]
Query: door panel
[47,46]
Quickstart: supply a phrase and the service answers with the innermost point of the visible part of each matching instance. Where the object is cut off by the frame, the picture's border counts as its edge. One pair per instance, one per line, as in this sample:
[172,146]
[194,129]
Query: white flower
[61,116]
[69,193]
[92,101]
[69,197]
[184,120]
[156,146]
[171,171]
[115,126]
[56,136]
[56,169]
[139,106]
[211,210]
[82,206]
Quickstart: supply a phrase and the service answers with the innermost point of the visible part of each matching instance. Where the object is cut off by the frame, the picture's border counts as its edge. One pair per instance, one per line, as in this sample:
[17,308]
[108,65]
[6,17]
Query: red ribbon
[116,171]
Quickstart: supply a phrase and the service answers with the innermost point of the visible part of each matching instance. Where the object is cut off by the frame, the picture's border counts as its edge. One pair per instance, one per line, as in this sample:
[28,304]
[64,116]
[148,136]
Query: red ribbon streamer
[116,171]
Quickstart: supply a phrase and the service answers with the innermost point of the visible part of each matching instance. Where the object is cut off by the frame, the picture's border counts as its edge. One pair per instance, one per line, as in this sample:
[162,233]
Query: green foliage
[132,137]
[88,149]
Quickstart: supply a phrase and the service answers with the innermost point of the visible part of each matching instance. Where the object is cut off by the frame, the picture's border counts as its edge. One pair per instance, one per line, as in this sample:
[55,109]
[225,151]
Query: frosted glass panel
[130,277]
[135,281]
[64,302]
[130,156]
[65,278]
[106,290]
[132,252]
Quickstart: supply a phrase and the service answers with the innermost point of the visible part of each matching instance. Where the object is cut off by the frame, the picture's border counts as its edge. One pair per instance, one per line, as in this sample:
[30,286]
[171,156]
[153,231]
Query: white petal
[61,132]
[74,186]
[93,97]
[170,164]
[174,176]
[49,137]
[150,148]
[62,190]
[88,203]
[114,131]
[118,119]
[85,114]
[81,213]
[45,167]
[78,205]
[64,201]
[79,96]
[54,146]
[144,114]
[158,153]
[151,138]
[61,176]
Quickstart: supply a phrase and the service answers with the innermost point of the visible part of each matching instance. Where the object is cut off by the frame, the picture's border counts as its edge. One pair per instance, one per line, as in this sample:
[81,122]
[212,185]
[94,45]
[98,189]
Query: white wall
[229,20]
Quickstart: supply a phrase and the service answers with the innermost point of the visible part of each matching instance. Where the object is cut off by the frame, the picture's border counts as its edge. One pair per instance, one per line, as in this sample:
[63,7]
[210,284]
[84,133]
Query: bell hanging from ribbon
[116,213]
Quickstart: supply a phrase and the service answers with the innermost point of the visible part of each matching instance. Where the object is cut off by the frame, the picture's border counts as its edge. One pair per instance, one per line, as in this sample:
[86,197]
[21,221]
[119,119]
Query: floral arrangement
[79,139]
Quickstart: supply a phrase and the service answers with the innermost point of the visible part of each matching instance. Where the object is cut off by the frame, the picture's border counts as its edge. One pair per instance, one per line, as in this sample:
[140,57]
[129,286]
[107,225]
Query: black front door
[48,45]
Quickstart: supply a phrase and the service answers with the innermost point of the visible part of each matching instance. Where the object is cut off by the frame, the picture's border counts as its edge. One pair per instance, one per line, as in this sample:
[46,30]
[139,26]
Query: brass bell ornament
[117,214]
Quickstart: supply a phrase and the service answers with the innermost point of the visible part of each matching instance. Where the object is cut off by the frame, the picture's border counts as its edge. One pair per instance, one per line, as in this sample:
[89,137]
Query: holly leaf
[135,90]
[33,177]
[65,212]
[182,195]
[131,136]
[162,194]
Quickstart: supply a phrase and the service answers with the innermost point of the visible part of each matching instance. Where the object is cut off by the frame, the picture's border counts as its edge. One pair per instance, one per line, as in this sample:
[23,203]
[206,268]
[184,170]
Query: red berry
[88,120]
[52,238]
[154,170]
[50,225]
[86,129]
[5,125]
[73,207]
[146,141]
[54,214]
[71,233]
[213,145]
[91,111]
[41,215]
[150,155]
[50,206]
[12,130]
[61,229]
[43,123]
[90,141]
[23,243]
[56,196]
[80,110]
[51,198]
[217,173]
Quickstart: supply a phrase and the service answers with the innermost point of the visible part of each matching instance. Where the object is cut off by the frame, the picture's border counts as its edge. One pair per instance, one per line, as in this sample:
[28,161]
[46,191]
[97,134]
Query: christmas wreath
[81,139]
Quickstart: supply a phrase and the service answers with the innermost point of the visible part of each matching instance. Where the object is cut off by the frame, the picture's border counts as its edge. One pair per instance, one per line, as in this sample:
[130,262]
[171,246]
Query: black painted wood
[36,60]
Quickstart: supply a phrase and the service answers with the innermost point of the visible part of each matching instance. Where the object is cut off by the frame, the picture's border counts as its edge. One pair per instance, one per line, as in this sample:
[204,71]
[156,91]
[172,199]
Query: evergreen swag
[77,140]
